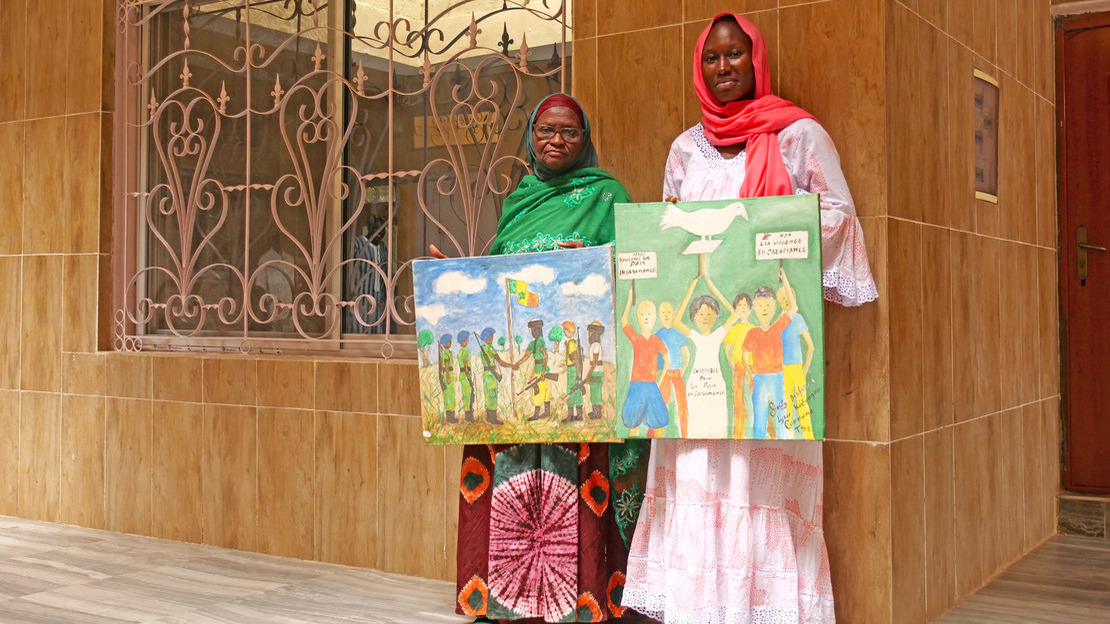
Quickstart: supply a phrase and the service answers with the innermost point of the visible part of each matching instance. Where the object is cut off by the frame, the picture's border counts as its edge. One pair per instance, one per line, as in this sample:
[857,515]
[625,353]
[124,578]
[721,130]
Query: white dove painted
[705,223]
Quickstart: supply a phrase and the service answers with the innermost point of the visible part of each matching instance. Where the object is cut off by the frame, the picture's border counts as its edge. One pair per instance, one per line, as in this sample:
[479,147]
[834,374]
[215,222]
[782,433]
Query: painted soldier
[446,368]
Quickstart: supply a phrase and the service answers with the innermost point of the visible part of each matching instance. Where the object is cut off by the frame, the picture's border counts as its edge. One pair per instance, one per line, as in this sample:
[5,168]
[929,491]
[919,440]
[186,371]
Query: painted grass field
[516,428]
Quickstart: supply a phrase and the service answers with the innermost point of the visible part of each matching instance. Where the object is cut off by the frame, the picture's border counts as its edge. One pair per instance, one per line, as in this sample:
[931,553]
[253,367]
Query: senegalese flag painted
[523,297]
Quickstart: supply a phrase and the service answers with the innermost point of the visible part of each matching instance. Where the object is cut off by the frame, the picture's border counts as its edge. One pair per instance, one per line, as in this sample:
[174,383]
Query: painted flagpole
[512,356]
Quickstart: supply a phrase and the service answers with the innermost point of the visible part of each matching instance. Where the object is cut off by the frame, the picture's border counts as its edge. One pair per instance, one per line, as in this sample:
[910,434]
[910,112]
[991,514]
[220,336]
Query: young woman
[730,531]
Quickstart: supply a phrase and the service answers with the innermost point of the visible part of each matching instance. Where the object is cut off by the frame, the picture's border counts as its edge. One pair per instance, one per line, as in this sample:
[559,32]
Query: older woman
[730,531]
[526,552]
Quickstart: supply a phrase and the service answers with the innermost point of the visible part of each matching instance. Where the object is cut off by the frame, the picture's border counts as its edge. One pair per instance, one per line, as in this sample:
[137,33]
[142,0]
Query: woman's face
[555,152]
[726,63]
[704,319]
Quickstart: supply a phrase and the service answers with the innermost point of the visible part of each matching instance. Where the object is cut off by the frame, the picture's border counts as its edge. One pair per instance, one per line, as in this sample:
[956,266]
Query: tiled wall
[973,297]
[942,432]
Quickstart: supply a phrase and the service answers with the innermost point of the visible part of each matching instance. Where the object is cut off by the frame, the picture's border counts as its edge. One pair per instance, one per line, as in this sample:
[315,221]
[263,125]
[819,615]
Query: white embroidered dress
[730,532]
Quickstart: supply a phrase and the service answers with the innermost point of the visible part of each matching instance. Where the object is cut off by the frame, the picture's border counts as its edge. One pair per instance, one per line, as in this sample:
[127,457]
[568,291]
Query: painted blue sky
[469,293]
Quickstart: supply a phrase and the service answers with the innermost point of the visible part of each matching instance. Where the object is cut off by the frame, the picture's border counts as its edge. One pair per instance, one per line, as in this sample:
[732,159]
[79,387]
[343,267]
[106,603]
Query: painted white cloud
[431,313]
[453,282]
[592,285]
[533,274]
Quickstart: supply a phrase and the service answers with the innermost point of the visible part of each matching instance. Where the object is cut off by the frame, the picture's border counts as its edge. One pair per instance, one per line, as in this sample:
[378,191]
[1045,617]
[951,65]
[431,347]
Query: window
[282,162]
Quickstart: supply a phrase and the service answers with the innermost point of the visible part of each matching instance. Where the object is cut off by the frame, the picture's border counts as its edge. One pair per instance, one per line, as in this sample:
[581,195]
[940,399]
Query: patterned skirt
[731,533]
[544,529]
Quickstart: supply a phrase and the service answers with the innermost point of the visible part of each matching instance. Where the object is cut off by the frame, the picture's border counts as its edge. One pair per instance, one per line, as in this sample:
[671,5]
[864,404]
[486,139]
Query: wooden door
[1083,79]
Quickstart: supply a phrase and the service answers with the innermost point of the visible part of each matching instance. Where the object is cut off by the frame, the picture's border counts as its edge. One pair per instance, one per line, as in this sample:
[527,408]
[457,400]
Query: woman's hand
[571,244]
[436,253]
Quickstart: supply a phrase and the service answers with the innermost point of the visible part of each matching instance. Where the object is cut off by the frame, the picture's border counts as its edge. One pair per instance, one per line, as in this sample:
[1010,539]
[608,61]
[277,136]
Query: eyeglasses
[570,135]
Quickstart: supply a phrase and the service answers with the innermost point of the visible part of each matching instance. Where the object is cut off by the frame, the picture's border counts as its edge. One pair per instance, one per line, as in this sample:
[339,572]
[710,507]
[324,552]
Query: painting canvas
[719,319]
[517,348]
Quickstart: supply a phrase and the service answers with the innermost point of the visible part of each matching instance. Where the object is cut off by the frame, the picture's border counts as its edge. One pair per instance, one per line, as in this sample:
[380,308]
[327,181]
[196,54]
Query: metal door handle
[1082,247]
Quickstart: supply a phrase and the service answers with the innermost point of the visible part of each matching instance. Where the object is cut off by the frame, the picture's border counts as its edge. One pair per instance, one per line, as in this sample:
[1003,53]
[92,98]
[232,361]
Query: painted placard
[725,339]
[517,348]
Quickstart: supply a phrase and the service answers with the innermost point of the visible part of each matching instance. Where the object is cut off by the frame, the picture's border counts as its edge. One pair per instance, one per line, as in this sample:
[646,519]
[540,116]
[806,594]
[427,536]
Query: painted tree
[555,336]
[423,341]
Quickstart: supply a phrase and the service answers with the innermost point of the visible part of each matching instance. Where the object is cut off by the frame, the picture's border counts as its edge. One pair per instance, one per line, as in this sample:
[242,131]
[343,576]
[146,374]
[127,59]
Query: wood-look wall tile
[857,352]
[230,380]
[1044,141]
[583,79]
[934,11]
[907,312]
[937,346]
[453,458]
[1007,38]
[974,24]
[410,489]
[107,182]
[83,373]
[767,22]
[40,344]
[695,10]
[46,58]
[107,72]
[13,71]
[11,172]
[964,358]
[350,386]
[230,476]
[84,56]
[1053,429]
[1044,42]
[627,57]
[346,489]
[11,300]
[177,378]
[971,506]
[82,462]
[1016,159]
[940,554]
[917,65]
[286,482]
[907,521]
[832,65]
[959,209]
[9,452]
[858,530]
[1048,324]
[81,209]
[1010,516]
[1019,318]
[585,21]
[40,432]
[614,16]
[128,462]
[286,383]
[178,467]
[128,375]
[1039,509]
[985,299]
[79,303]
[43,183]
[400,388]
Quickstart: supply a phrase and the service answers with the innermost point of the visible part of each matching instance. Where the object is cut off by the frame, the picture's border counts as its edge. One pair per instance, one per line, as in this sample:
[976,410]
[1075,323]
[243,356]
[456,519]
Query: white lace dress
[731,531]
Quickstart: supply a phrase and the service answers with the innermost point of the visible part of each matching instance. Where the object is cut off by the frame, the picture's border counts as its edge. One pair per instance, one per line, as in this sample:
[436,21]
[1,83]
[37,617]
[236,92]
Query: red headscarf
[558,99]
[755,121]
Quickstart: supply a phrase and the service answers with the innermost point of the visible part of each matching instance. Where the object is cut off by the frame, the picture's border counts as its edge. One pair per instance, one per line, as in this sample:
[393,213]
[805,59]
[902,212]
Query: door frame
[1065,254]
